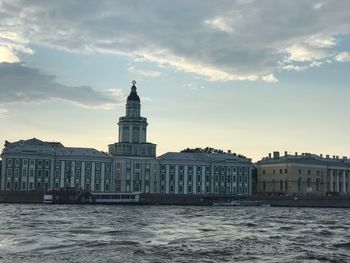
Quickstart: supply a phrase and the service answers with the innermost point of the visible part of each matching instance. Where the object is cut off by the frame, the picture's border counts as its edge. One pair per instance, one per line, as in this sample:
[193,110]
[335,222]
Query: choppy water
[64,233]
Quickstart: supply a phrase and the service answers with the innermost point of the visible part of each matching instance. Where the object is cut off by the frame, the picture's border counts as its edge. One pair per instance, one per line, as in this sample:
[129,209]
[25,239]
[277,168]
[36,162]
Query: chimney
[337,157]
[229,151]
[296,153]
[321,155]
[276,155]
[269,155]
[285,153]
[327,156]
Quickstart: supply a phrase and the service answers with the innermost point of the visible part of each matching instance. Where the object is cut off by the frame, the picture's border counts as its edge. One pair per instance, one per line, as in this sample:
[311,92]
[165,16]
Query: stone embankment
[204,200]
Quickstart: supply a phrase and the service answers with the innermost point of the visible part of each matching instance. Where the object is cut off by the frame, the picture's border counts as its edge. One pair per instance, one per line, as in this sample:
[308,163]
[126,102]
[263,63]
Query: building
[130,165]
[134,159]
[303,174]
[205,173]
[37,165]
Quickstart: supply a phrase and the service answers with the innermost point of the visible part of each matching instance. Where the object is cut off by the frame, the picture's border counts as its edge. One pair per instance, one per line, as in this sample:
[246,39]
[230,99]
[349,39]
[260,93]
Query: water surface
[72,233]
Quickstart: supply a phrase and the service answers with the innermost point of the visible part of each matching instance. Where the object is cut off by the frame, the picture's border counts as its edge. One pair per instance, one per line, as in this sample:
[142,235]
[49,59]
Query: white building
[35,164]
[130,166]
[205,173]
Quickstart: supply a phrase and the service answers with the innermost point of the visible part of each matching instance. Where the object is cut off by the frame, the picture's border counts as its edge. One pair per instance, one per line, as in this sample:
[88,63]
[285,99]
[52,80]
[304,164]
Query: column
[331,181]
[344,182]
[337,181]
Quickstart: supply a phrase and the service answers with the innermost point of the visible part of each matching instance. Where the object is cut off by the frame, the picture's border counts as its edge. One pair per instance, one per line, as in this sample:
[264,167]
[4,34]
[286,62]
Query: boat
[68,195]
[242,203]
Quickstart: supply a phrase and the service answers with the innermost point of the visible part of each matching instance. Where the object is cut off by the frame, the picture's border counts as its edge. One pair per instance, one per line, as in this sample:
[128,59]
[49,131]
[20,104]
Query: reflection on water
[70,233]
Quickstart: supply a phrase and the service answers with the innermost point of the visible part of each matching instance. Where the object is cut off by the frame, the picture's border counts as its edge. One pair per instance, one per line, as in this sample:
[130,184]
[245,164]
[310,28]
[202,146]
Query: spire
[133,94]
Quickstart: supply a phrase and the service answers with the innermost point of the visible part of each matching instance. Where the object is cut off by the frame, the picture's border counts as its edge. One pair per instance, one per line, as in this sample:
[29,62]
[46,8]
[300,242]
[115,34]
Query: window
[31,172]
[171,188]
[47,163]
[286,185]
[281,185]
[180,177]
[263,171]
[40,173]
[31,185]
[46,173]
[299,184]
[207,178]
[207,189]
[32,162]
[25,162]
[198,189]
[309,182]
[107,187]
[180,189]
[24,172]
[9,162]
[24,185]
[309,172]
[189,189]
[16,172]
[171,177]
[40,163]
[17,162]
[57,164]
[8,185]
[281,171]
[264,186]
[108,166]
[9,172]
[190,178]
[285,171]
[318,184]
[198,177]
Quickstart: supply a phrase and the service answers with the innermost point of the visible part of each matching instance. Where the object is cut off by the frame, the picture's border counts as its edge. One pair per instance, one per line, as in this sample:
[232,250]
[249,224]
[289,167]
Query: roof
[133,94]
[77,151]
[306,158]
[35,146]
[202,157]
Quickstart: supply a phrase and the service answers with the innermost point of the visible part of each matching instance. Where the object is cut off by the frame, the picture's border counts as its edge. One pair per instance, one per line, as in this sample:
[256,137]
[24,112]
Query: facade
[303,174]
[37,165]
[204,173]
[134,159]
[131,165]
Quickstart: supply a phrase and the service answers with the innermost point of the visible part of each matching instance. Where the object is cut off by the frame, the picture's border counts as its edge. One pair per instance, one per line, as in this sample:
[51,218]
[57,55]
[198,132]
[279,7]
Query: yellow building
[303,173]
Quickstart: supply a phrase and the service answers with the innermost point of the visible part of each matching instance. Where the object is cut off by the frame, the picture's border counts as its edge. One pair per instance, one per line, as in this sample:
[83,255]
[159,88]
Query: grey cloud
[254,37]
[21,84]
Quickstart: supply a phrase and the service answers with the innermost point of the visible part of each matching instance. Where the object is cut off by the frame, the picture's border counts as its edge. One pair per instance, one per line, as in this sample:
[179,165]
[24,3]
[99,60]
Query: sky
[248,76]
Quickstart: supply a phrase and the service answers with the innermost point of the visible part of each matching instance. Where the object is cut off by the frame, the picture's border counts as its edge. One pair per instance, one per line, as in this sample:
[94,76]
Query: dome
[133,94]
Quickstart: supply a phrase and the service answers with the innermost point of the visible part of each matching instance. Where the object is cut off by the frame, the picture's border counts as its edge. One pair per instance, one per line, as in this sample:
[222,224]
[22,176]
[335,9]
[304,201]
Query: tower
[132,127]
[134,159]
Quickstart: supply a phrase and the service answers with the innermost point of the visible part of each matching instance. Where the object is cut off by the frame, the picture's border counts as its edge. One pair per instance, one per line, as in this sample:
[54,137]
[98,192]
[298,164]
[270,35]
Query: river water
[73,233]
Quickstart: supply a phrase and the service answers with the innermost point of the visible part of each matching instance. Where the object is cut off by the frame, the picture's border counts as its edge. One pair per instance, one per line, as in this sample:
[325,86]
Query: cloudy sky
[250,76]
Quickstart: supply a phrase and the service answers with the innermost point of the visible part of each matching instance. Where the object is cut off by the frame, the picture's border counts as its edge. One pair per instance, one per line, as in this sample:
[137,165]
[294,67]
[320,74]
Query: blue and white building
[130,165]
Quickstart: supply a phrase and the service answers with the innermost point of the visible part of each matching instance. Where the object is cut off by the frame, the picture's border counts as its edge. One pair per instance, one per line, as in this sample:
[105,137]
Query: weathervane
[133,82]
